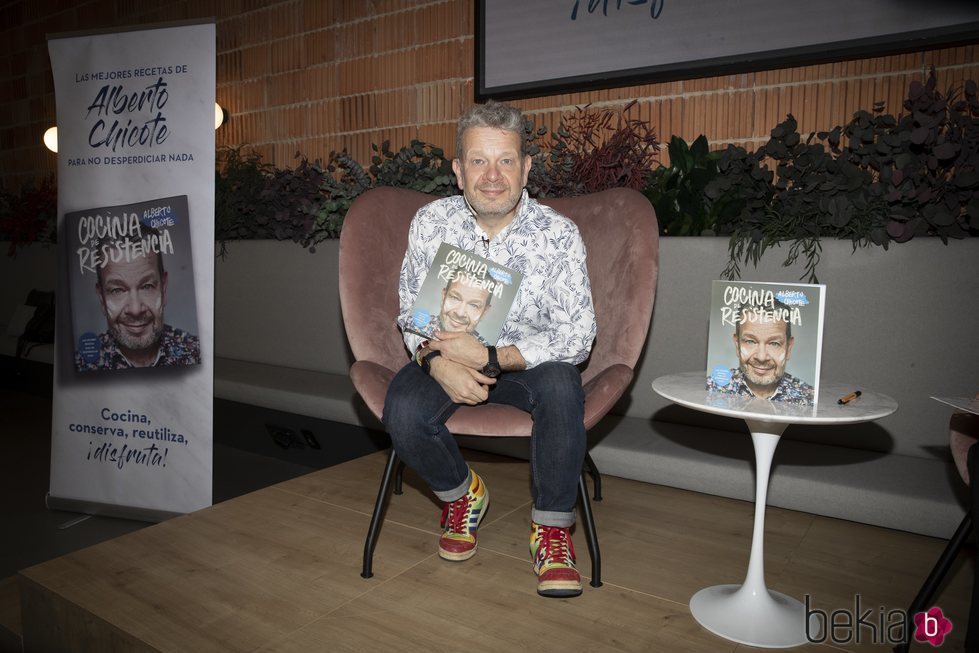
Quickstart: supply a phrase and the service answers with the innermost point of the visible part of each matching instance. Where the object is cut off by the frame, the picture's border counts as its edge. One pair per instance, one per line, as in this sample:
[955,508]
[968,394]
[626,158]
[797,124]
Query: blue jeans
[416,409]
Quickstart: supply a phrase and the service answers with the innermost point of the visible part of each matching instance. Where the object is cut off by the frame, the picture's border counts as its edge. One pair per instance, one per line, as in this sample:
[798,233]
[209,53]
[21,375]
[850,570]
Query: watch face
[491,371]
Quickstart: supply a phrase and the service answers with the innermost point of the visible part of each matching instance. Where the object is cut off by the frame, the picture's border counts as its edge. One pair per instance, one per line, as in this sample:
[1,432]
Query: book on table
[765,340]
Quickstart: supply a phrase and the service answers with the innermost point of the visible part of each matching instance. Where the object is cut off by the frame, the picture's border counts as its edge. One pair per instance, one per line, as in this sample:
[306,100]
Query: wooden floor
[278,570]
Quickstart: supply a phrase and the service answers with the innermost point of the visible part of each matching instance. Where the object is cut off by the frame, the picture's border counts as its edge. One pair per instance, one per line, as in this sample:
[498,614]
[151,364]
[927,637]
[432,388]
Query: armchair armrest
[603,390]
[372,380]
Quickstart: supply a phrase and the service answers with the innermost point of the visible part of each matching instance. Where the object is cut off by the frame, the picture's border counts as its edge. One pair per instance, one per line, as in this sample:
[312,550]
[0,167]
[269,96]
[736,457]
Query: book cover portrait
[463,291]
[132,286]
[765,340]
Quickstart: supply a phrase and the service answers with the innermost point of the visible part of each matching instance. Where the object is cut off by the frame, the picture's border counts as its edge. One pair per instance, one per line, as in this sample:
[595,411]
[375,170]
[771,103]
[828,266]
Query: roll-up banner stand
[132,420]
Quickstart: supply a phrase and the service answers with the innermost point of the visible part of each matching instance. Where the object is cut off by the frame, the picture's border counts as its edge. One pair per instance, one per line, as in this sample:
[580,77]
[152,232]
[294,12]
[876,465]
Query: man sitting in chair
[549,330]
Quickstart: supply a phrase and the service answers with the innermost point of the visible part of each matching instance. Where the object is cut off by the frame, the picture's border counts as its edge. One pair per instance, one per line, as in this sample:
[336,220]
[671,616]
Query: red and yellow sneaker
[460,519]
[553,554]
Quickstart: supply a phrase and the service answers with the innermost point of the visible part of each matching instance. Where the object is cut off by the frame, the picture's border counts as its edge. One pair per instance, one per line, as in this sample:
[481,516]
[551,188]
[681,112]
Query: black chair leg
[930,587]
[596,477]
[596,554]
[399,477]
[376,519]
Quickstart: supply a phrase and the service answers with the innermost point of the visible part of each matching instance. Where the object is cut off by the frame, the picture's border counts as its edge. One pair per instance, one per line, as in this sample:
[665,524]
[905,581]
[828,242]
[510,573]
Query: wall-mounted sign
[528,48]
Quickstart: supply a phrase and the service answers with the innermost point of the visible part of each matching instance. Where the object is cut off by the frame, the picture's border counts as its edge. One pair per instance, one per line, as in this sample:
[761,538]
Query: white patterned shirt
[552,317]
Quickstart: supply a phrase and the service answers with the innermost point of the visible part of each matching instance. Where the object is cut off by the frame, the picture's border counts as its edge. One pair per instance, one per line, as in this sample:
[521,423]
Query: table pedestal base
[766,619]
[750,613]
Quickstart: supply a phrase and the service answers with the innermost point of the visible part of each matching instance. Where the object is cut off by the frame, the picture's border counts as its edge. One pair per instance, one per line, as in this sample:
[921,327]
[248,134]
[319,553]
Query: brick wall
[312,76]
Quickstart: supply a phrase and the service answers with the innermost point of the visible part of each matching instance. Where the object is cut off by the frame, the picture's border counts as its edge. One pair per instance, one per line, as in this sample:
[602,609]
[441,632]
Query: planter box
[277,304]
[900,322]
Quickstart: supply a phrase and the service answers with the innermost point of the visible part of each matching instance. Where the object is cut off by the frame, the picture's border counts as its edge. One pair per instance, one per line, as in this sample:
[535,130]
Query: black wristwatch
[492,368]
[427,360]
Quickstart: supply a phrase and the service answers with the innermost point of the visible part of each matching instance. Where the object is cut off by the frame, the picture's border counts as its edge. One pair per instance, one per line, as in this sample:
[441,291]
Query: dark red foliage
[596,149]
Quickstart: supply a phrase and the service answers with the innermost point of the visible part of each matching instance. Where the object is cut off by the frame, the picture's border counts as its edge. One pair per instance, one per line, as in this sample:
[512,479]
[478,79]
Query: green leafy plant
[876,179]
[255,200]
[676,191]
[241,197]
[812,195]
[338,185]
[307,204]
[925,161]
[418,166]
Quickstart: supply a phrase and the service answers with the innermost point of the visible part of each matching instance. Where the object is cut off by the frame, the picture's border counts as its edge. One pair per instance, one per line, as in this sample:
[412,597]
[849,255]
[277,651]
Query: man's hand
[461,348]
[463,384]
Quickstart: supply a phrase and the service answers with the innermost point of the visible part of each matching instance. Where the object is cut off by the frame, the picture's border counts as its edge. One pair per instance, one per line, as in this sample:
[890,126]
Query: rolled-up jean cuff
[552,518]
[455,493]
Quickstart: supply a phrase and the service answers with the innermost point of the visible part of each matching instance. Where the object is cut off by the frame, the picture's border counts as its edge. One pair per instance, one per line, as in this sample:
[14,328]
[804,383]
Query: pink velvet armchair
[621,236]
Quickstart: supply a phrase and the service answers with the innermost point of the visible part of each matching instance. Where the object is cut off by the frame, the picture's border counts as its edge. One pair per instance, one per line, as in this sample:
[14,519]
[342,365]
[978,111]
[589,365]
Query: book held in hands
[466,292]
[765,340]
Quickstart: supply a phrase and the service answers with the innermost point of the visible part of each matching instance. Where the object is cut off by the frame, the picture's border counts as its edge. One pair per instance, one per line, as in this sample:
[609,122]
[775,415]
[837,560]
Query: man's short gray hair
[492,114]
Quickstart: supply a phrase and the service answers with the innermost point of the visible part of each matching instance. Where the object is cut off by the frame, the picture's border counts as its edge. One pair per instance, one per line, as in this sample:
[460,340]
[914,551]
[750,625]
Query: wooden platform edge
[49,622]
[10,628]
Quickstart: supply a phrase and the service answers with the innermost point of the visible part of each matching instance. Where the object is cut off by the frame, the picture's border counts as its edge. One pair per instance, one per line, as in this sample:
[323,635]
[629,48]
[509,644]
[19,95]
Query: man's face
[133,295]
[763,351]
[463,307]
[490,170]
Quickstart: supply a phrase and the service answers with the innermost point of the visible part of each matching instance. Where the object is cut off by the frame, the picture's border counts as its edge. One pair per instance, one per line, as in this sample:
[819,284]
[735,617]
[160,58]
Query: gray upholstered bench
[884,489]
[322,395]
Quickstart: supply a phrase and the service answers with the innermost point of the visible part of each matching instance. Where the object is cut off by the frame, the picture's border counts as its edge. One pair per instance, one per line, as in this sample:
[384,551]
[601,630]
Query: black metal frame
[745,62]
[394,470]
[930,587]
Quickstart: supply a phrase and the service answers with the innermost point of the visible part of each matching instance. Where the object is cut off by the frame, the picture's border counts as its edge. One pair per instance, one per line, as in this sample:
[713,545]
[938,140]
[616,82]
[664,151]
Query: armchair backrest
[373,241]
[620,233]
[622,240]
